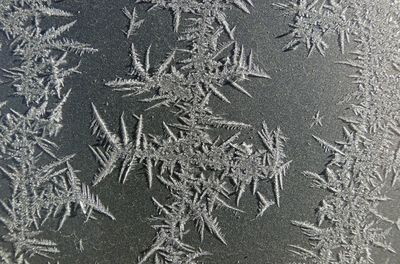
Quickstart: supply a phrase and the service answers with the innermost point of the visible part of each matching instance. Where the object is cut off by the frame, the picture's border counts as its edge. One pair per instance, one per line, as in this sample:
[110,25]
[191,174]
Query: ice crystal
[317,120]
[134,24]
[263,204]
[42,184]
[216,9]
[314,21]
[350,226]
[200,172]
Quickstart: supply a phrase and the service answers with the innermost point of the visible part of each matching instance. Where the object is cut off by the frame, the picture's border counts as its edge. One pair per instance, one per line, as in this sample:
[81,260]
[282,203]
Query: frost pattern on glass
[42,185]
[200,172]
[350,225]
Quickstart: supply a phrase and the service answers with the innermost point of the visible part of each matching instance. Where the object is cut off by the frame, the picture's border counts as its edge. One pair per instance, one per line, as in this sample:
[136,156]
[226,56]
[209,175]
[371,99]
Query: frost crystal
[314,21]
[350,226]
[134,24]
[200,172]
[42,184]
[317,120]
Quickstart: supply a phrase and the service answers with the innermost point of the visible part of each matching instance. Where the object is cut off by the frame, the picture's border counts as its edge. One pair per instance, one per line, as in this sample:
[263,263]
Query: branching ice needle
[134,23]
[263,204]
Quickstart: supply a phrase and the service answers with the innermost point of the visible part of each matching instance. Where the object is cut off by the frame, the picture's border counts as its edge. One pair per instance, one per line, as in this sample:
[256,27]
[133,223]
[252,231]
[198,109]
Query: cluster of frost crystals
[42,185]
[314,21]
[201,173]
[351,226]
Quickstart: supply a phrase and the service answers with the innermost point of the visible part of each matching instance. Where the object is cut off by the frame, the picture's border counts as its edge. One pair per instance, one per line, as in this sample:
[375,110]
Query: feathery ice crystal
[200,172]
[350,225]
[42,185]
